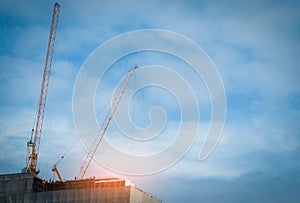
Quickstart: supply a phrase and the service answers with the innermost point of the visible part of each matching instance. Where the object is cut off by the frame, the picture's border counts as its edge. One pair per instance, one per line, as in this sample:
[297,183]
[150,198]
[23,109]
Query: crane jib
[33,146]
[115,103]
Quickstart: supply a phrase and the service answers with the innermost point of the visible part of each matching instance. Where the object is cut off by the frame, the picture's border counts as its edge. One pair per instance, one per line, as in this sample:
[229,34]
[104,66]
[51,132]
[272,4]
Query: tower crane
[114,105]
[36,134]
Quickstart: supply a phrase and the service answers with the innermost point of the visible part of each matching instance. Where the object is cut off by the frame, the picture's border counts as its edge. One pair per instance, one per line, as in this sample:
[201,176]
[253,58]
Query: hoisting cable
[83,132]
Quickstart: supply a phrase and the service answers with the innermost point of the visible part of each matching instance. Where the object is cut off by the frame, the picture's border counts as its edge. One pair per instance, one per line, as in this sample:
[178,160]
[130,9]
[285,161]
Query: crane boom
[115,103]
[33,146]
[55,169]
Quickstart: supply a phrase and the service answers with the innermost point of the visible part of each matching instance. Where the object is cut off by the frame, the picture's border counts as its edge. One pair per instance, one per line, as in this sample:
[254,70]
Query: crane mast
[115,103]
[33,145]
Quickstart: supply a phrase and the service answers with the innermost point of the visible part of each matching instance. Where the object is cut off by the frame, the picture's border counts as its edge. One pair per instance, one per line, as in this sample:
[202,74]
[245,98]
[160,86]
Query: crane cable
[34,122]
[83,132]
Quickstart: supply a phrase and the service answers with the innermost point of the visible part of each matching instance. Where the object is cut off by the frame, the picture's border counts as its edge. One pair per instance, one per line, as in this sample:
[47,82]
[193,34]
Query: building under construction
[24,187]
[28,187]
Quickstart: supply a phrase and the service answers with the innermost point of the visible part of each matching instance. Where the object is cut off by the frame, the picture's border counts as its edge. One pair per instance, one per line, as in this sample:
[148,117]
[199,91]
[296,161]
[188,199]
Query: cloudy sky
[255,47]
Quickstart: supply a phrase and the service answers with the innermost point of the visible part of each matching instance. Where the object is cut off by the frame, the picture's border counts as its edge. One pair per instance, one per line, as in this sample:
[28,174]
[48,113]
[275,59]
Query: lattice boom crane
[33,145]
[115,103]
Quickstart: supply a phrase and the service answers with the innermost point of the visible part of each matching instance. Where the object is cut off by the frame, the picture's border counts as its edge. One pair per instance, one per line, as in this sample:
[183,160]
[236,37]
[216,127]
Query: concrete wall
[137,195]
[16,183]
[120,194]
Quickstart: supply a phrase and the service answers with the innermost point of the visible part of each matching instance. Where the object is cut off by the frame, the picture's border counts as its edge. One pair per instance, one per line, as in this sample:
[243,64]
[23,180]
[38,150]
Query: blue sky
[254,45]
